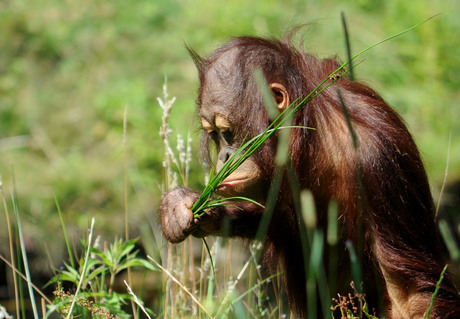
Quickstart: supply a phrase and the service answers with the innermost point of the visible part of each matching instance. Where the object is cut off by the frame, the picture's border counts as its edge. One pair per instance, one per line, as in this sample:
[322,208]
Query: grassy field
[71,73]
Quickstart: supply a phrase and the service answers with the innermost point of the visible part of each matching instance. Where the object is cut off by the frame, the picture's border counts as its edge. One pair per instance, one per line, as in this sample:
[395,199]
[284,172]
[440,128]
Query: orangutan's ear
[281,96]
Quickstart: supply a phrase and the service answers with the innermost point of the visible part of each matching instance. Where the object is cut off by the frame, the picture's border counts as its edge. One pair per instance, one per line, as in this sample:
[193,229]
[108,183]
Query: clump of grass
[83,271]
[184,149]
[174,164]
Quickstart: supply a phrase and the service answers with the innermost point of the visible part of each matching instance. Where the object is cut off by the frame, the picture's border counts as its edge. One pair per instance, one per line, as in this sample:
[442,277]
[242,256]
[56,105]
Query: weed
[352,306]
[103,265]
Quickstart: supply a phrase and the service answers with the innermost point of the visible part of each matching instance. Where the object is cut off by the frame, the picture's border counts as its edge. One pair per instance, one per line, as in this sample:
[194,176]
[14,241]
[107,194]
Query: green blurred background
[68,69]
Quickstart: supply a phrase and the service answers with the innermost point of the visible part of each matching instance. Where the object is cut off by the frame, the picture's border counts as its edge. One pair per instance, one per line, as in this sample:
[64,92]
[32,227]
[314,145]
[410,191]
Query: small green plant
[97,294]
[65,299]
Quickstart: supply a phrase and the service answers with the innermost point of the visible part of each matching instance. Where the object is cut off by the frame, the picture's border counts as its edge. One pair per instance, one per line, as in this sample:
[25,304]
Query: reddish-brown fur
[385,205]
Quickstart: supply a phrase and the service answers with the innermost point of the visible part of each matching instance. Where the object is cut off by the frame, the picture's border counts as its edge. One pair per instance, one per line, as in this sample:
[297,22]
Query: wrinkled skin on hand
[176,217]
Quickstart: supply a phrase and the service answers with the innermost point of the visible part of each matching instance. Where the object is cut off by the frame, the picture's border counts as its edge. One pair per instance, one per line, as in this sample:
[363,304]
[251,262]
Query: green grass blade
[225,202]
[355,266]
[209,253]
[211,278]
[10,242]
[24,257]
[232,164]
[236,198]
[347,45]
[64,230]
[446,173]
[267,97]
[449,240]
[379,43]
[353,134]
[433,297]
[316,281]
[244,294]
[82,276]
[174,279]
[270,205]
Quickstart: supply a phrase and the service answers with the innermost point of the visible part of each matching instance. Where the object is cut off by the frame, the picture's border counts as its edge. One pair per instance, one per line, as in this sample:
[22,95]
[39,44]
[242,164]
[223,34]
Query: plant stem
[82,275]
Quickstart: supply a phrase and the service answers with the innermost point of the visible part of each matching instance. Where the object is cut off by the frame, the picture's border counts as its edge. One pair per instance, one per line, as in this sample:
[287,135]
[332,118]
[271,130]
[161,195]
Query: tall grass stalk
[332,241]
[317,281]
[167,177]
[166,103]
[178,259]
[355,265]
[433,297]
[355,257]
[195,300]
[16,271]
[64,230]
[175,255]
[10,239]
[125,172]
[449,239]
[83,272]
[136,300]
[24,258]
[231,288]
[126,188]
[244,294]
[347,46]
[446,173]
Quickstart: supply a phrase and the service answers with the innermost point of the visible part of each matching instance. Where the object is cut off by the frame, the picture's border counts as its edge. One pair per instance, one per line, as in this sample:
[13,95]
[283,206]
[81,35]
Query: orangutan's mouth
[230,183]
